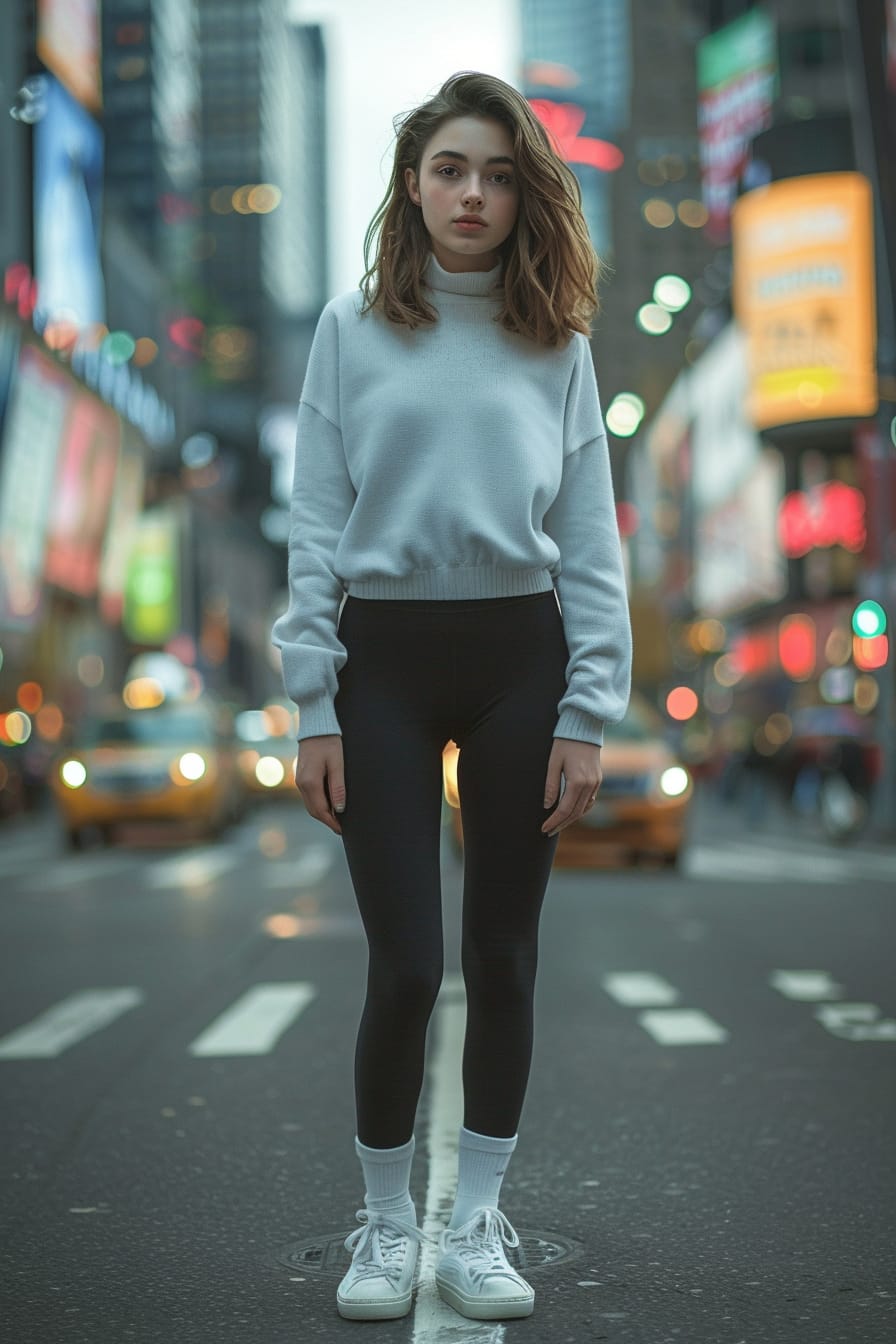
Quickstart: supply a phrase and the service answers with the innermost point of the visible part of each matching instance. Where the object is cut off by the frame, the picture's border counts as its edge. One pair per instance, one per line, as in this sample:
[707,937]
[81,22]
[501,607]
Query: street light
[672,292]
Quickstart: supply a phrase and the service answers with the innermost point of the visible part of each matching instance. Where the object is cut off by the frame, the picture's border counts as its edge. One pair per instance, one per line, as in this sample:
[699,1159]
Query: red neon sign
[563,121]
[832,514]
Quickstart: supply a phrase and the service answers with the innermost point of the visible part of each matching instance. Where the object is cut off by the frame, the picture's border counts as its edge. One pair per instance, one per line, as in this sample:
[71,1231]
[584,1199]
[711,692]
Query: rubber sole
[481,1309]
[373,1309]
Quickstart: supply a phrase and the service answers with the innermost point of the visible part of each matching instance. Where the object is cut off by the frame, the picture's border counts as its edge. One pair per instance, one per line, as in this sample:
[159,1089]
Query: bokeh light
[653,319]
[658,213]
[681,703]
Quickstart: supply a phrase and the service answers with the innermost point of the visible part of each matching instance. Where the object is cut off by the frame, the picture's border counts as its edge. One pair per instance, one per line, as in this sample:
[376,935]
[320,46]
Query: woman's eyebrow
[456,154]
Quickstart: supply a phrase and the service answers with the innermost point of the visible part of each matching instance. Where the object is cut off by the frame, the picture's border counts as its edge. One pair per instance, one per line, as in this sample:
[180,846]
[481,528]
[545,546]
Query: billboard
[804,294]
[68,43]
[124,512]
[88,458]
[737,70]
[68,181]
[32,433]
[152,585]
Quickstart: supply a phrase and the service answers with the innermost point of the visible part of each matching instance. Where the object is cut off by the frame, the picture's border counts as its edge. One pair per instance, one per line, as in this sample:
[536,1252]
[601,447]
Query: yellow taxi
[171,762]
[642,806]
[267,748]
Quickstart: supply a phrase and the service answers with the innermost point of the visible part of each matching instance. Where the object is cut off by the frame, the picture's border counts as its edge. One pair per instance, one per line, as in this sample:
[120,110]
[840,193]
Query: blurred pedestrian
[455,573]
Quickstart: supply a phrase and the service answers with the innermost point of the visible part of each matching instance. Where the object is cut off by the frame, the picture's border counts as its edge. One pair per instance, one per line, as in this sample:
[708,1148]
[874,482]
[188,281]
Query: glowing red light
[682,703]
[187,333]
[796,646]
[831,514]
[563,121]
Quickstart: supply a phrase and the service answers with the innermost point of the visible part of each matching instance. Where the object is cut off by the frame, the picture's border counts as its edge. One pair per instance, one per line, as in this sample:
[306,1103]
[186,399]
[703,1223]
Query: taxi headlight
[192,766]
[73,774]
[674,781]
[270,772]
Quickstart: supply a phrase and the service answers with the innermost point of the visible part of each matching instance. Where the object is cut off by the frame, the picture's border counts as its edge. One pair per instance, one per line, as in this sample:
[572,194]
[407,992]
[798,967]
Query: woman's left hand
[579,763]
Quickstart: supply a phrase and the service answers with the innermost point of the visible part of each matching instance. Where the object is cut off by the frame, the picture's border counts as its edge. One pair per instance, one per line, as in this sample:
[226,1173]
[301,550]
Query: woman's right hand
[320,778]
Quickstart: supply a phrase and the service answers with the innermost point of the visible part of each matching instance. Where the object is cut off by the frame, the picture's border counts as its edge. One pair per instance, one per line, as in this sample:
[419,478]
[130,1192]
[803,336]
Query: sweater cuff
[580,727]
[317,718]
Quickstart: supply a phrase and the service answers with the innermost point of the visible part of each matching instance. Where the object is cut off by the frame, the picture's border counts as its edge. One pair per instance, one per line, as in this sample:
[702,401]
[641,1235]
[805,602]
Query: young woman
[455,574]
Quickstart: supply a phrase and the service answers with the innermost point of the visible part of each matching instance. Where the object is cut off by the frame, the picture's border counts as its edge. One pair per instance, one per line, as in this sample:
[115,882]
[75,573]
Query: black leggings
[487,674]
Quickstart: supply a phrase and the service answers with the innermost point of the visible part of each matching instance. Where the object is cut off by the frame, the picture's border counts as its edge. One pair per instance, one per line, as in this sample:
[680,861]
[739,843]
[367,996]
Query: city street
[706,1153]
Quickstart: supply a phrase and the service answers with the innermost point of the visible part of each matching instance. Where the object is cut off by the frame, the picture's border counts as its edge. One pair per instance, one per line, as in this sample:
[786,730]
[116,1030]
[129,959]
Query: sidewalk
[774,820]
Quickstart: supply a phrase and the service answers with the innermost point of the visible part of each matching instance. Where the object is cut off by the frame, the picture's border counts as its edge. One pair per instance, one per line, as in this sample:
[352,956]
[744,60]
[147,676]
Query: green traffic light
[869,620]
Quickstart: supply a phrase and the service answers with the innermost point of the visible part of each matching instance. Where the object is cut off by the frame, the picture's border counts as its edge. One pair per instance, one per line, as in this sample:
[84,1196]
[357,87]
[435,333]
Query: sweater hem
[452,584]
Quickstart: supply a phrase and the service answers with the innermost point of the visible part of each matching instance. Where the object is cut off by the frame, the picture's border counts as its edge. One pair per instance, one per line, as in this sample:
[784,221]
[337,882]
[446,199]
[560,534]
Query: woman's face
[467,168]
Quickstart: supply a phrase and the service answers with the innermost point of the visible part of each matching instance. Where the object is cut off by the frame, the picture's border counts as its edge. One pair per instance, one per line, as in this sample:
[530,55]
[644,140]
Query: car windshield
[149,729]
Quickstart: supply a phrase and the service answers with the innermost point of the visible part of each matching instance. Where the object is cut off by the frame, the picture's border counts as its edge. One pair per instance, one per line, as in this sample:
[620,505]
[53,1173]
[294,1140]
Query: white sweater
[459,460]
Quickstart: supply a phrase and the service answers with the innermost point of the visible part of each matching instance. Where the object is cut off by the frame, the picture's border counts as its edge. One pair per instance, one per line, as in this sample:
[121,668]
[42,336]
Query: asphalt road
[706,1155]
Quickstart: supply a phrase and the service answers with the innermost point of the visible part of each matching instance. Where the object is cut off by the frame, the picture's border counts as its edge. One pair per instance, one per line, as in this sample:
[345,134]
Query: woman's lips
[468,225]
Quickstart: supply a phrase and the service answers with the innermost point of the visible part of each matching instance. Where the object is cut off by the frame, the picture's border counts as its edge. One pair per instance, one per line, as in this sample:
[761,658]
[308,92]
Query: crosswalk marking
[638,989]
[307,870]
[66,1023]
[764,864]
[856,1022]
[805,986]
[68,873]
[196,869]
[256,1021]
[682,1026]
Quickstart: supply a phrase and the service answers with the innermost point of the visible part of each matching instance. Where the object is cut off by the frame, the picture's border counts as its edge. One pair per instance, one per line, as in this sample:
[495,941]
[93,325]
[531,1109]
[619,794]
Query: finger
[336,789]
[551,788]
[564,817]
[557,821]
[317,804]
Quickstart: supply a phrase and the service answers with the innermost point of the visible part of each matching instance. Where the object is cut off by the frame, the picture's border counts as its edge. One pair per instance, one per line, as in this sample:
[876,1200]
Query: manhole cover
[327,1255]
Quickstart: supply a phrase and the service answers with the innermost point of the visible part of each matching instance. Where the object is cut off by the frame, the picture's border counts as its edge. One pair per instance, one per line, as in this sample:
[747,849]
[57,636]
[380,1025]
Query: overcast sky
[384,57]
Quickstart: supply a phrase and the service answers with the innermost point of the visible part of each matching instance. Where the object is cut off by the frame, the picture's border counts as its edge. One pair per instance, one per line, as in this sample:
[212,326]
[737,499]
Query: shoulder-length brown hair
[549,269]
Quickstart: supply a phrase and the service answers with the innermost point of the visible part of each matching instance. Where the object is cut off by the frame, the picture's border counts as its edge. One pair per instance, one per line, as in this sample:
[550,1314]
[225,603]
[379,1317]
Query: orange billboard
[804,295]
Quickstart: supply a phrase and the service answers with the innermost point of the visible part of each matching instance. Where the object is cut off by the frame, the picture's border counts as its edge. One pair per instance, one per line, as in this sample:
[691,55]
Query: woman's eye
[505,181]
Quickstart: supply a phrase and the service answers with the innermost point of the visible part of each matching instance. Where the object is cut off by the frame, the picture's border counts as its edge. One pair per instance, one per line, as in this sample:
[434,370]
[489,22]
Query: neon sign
[831,514]
[563,121]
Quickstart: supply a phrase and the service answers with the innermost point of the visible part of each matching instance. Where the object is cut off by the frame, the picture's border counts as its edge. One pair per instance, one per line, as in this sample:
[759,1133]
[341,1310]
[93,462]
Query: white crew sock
[387,1173]
[482,1162]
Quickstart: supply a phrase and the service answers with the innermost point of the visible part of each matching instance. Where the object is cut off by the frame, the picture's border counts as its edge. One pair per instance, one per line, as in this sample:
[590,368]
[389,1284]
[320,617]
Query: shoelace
[479,1244]
[378,1246]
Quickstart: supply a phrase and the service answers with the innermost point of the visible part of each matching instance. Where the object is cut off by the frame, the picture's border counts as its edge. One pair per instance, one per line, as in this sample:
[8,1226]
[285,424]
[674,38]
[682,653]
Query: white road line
[682,1026]
[856,1022]
[192,870]
[68,1022]
[434,1322]
[307,870]
[805,986]
[765,865]
[67,873]
[639,989]
[256,1021]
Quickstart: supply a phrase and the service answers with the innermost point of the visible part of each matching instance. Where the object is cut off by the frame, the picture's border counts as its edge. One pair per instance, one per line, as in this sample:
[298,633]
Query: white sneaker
[384,1258]
[473,1275]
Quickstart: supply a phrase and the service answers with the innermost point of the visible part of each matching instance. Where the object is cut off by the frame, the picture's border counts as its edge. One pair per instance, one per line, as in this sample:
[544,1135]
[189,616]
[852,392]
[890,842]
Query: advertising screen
[736,79]
[68,43]
[32,432]
[121,532]
[804,294]
[68,181]
[152,585]
[82,492]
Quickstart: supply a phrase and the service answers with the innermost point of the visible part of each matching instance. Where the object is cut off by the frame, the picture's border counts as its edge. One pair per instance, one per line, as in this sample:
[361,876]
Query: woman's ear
[410,178]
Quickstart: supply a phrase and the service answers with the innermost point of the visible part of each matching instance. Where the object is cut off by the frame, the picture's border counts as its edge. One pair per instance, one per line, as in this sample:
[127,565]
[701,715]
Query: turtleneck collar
[477,283]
